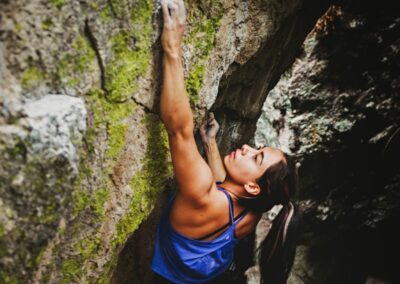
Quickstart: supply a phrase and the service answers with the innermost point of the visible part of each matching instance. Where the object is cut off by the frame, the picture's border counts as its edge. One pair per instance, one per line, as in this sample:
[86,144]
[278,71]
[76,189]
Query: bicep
[193,175]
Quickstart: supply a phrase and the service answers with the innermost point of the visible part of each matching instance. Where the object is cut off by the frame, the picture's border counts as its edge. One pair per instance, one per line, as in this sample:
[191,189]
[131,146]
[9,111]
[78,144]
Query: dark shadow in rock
[134,260]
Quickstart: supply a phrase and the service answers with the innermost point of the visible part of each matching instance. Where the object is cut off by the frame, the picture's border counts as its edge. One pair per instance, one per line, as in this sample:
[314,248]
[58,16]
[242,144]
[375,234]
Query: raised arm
[208,133]
[193,176]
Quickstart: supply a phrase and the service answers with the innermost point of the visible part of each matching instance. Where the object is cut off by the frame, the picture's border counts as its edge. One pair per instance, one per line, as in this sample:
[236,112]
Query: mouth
[235,153]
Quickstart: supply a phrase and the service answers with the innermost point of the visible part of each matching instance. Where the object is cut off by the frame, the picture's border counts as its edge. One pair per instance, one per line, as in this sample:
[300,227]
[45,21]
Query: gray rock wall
[80,189]
[337,111]
[79,125]
[40,159]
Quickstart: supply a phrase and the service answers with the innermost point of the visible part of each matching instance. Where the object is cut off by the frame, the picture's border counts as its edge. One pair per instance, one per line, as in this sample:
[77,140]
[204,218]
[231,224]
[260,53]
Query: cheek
[245,170]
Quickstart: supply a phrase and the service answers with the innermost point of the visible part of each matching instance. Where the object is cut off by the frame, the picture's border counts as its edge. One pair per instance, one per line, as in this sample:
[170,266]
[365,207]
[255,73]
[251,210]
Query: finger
[211,115]
[164,6]
[203,125]
[203,131]
[173,8]
[177,9]
[181,9]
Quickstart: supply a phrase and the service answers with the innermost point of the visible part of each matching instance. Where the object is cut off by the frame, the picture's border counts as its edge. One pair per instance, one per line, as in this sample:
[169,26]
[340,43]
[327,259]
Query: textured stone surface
[39,160]
[82,196]
[337,110]
[108,53]
[103,56]
[246,83]
[55,122]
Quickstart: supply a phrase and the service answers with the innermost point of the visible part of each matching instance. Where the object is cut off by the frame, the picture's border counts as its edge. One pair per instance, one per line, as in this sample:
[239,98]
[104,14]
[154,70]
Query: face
[248,164]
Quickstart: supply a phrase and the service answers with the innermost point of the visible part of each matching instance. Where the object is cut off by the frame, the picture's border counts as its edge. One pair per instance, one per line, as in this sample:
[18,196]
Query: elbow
[178,125]
[182,131]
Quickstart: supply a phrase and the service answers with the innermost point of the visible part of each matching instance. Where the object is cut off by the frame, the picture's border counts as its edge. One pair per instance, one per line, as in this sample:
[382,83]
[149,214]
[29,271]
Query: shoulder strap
[241,215]
[237,219]
[230,204]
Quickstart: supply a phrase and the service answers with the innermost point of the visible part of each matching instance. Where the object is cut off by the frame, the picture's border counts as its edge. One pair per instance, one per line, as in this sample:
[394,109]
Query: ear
[252,188]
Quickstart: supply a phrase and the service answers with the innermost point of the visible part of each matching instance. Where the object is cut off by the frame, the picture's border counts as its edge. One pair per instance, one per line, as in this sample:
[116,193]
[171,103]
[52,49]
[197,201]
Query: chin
[225,160]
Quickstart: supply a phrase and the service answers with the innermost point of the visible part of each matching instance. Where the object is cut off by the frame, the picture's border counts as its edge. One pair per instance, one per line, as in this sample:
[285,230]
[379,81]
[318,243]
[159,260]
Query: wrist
[210,145]
[209,140]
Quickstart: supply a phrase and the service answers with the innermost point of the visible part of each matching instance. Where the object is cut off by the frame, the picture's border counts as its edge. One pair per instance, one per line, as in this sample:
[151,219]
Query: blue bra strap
[230,204]
[242,215]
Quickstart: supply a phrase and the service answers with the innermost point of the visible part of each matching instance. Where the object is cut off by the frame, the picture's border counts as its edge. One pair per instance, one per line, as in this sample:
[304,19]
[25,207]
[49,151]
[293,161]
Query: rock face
[39,161]
[337,109]
[85,166]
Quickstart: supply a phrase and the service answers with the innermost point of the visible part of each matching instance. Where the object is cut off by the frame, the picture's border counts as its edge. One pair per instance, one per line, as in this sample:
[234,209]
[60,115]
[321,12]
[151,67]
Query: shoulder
[196,218]
[248,224]
[206,200]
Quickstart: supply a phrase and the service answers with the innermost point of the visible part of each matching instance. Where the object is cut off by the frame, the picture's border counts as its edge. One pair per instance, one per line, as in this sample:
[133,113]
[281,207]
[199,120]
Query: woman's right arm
[192,173]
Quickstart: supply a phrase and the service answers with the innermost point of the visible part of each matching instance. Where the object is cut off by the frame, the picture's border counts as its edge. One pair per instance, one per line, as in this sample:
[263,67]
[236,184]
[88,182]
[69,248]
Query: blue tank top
[184,260]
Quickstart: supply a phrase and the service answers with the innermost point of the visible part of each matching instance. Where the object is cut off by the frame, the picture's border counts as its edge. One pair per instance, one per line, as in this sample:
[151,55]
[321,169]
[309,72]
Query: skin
[199,207]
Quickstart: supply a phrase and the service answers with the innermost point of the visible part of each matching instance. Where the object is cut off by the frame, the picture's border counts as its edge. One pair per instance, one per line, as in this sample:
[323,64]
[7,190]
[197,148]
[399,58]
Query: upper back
[196,220]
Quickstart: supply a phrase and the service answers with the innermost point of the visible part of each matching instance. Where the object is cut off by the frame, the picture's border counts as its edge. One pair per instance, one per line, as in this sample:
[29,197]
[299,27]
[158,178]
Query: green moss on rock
[114,116]
[100,197]
[47,24]
[2,230]
[7,278]
[58,3]
[74,63]
[132,53]
[117,126]
[31,78]
[194,82]
[17,27]
[202,36]
[130,60]
[148,183]
[72,271]
[3,244]
[105,15]
[80,200]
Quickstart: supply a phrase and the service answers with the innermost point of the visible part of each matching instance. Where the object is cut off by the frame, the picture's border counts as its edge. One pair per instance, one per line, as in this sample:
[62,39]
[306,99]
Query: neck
[236,190]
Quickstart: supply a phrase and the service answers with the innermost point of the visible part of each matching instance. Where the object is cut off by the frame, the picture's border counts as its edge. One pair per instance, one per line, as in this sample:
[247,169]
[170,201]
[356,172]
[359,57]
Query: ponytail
[277,251]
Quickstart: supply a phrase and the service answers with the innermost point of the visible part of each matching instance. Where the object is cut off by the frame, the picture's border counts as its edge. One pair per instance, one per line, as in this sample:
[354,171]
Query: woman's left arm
[208,133]
[194,177]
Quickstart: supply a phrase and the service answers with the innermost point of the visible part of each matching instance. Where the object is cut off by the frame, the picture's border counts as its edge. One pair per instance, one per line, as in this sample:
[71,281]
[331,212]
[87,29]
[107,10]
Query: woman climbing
[204,221]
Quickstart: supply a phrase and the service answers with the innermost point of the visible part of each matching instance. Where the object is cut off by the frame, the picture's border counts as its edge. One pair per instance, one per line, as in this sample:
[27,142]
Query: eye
[261,146]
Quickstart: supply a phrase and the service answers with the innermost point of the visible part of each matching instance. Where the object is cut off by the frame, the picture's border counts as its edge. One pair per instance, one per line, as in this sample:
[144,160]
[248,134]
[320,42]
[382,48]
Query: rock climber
[204,220]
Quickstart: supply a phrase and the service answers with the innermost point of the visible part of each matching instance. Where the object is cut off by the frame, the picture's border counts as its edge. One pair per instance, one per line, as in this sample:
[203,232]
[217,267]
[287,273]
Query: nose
[247,149]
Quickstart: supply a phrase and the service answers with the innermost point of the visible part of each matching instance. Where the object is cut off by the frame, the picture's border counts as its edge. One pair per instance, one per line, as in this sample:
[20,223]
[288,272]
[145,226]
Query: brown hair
[276,253]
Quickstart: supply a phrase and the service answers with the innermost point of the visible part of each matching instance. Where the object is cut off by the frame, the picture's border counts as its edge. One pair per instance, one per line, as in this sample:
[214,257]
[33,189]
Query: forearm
[174,103]
[214,160]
